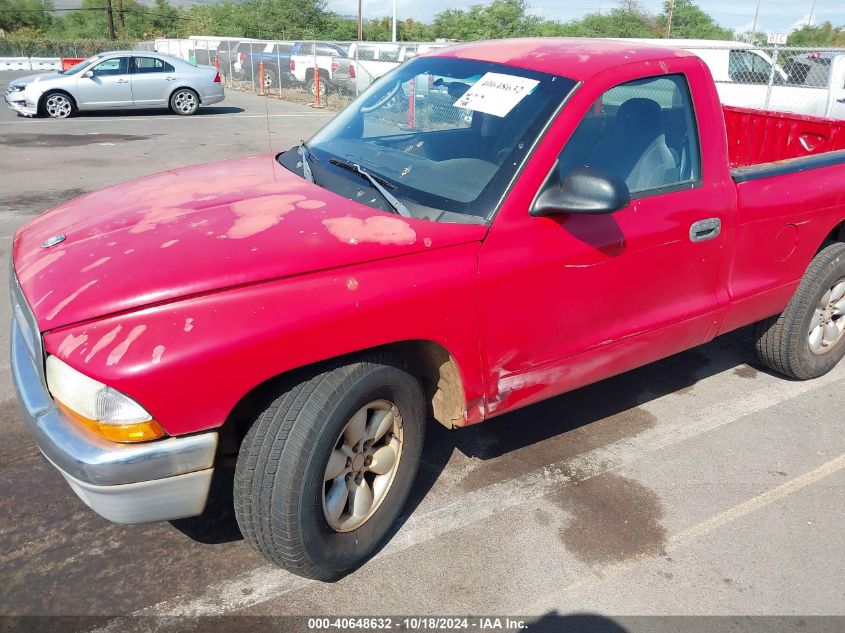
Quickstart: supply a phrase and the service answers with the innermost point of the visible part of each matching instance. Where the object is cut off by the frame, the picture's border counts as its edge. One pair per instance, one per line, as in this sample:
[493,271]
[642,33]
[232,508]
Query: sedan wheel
[184,101]
[58,106]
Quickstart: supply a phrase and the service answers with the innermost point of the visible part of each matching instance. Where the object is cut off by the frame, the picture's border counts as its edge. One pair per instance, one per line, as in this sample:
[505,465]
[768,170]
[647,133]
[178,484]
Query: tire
[184,102]
[797,343]
[283,489]
[312,88]
[58,105]
[271,79]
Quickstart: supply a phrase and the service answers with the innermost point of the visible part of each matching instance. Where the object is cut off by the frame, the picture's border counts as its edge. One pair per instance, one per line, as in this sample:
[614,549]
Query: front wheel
[327,465]
[58,105]
[806,339]
[184,101]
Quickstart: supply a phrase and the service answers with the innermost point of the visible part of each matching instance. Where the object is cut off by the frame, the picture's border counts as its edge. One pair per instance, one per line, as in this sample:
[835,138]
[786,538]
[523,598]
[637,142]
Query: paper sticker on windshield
[496,94]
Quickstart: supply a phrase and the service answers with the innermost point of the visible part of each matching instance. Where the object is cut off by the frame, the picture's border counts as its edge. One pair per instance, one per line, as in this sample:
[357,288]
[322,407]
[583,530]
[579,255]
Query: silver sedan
[117,80]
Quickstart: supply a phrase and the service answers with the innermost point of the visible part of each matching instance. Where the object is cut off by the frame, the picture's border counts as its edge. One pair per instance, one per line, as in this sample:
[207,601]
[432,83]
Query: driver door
[572,298]
[106,85]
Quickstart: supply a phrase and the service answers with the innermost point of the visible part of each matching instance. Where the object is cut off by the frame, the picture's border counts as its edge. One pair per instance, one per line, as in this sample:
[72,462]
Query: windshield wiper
[305,154]
[376,182]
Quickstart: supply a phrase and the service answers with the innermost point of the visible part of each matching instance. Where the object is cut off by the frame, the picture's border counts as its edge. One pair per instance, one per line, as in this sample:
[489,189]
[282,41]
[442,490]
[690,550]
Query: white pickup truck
[742,72]
[370,60]
[305,57]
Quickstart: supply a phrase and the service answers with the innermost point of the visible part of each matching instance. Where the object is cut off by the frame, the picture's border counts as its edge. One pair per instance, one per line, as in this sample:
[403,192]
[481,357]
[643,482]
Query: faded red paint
[258,215]
[377,229]
[282,274]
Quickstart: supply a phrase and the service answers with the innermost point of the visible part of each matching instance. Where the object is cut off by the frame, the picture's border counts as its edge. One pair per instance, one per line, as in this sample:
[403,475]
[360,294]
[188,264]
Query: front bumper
[125,483]
[19,103]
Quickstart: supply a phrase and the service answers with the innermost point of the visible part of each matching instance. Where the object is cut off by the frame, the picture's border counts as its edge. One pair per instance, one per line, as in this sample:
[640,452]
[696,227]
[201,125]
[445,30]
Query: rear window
[144,65]
[328,49]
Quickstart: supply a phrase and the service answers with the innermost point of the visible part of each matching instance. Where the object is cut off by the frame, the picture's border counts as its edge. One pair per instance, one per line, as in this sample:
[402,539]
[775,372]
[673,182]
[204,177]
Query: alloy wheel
[58,106]
[828,322]
[185,102]
[362,465]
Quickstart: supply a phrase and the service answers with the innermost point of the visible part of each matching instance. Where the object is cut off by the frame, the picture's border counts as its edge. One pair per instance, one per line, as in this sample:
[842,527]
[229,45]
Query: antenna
[267,118]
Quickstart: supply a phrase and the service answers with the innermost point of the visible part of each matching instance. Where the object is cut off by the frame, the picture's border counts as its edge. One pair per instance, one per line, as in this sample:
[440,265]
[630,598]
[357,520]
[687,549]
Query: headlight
[15,88]
[100,408]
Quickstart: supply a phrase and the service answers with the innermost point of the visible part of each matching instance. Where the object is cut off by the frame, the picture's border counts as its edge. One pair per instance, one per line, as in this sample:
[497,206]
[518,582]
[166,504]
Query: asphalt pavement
[699,485]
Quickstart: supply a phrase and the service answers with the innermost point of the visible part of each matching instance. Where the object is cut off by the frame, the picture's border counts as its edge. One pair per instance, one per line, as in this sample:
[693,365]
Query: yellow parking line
[704,528]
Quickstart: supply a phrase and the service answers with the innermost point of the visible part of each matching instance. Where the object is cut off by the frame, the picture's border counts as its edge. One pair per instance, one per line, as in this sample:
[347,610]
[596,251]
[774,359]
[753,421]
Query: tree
[164,19]
[689,21]
[629,20]
[501,18]
[822,35]
[91,22]
[26,14]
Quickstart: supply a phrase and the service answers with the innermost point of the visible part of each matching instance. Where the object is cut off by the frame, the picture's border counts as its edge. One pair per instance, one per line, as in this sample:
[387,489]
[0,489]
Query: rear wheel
[313,87]
[327,465]
[806,339]
[271,79]
[58,105]
[184,101]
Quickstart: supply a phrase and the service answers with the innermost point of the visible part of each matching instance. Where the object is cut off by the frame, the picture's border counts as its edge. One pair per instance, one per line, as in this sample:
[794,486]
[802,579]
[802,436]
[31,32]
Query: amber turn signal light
[123,433]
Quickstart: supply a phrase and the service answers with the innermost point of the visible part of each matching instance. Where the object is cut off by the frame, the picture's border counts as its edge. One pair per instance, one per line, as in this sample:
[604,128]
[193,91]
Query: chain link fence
[327,73]
[807,81]
[330,74]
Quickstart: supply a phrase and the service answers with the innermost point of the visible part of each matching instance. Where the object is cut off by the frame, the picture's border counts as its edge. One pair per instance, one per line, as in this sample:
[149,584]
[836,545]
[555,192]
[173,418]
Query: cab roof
[576,58]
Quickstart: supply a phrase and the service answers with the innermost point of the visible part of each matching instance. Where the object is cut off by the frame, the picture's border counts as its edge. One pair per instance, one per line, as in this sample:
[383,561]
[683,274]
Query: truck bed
[758,137]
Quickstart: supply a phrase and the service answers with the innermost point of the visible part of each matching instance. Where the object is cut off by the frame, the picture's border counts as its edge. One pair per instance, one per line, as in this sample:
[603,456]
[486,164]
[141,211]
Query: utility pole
[754,26]
[110,15]
[669,20]
[394,20]
[120,16]
[812,11]
[360,23]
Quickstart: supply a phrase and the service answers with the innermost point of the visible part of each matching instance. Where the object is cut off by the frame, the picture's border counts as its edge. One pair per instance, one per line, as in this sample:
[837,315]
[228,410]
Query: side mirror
[583,190]
[88,73]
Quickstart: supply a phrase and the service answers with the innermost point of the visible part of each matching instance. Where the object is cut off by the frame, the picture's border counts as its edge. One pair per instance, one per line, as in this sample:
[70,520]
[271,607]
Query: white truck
[742,73]
[305,57]
[371,60]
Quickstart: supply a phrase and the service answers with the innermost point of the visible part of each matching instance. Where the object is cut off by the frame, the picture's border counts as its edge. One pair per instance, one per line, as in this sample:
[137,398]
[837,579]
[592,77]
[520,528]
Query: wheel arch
[837,234]
[53,91]
[438,370]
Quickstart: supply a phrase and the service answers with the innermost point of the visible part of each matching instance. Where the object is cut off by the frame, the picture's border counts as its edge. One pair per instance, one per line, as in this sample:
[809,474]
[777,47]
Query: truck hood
[202,229]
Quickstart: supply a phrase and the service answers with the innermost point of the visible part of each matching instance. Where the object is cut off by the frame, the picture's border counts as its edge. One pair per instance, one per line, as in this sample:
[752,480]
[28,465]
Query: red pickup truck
[548,214]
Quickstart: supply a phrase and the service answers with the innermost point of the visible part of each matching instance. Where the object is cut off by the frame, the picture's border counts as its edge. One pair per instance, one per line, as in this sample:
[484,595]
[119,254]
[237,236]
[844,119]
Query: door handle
[170,78]
[705,229]
[123,81]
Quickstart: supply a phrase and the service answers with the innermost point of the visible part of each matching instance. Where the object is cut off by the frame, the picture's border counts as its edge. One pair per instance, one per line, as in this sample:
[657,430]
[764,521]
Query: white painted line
[153,118]
[268,583]
[699,530]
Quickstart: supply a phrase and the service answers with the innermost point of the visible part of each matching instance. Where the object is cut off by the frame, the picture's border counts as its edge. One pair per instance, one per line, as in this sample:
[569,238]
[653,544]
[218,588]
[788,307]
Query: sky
[777,16]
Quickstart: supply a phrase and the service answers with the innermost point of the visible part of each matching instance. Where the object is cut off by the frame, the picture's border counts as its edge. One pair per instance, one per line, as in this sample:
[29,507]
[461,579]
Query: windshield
[445,136]
[80,66]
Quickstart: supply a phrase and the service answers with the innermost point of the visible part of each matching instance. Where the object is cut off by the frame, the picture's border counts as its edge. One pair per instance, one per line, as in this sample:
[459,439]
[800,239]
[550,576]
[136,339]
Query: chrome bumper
[126,483]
